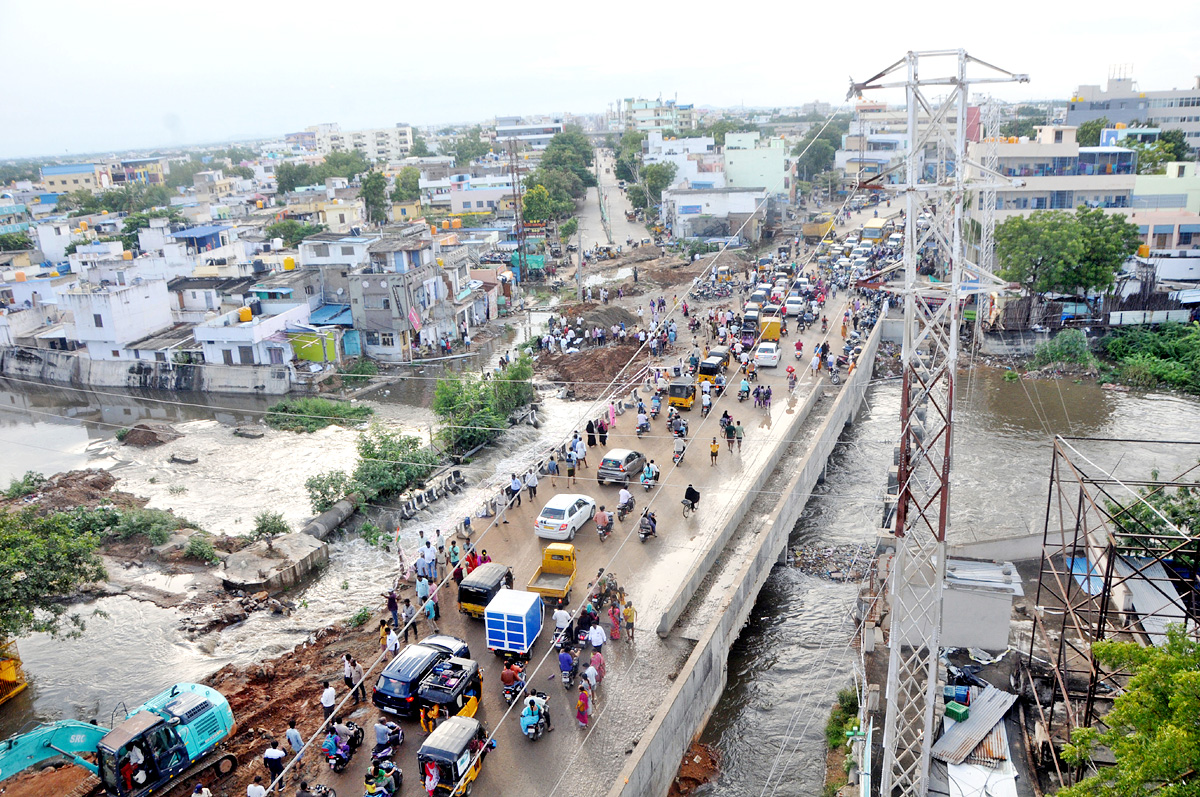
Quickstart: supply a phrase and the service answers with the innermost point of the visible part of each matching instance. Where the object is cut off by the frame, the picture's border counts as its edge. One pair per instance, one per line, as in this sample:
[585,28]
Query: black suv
[396,690]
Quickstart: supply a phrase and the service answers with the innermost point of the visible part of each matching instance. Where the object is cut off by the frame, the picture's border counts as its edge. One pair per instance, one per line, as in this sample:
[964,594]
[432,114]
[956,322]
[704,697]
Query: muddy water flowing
[792,658]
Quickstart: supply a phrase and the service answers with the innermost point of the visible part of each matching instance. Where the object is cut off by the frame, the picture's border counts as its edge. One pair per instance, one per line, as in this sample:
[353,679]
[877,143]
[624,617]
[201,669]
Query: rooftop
[331,314]
[201,232]
[393,244]
[208,283]
[689,191]
[70,168]
[177,337]
[337,238]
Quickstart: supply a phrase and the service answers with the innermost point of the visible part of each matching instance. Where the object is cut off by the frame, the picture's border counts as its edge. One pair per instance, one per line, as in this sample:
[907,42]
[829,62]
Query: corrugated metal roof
[994,575]
[960,740]
[992,750]
[1155,598]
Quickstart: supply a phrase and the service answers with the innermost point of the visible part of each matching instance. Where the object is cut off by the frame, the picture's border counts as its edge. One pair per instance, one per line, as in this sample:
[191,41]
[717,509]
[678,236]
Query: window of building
[161,356]
[372,338]
[308,290]
[348,251]
[321,250]
[246,355]
[1185,238]
[276,355]
[341,218]
[491,204]
[76,182]
[116,354]
[97,320]
[387,339]
[1162,240]
[227,356]
[479,203]
[1058,134]
[193,294]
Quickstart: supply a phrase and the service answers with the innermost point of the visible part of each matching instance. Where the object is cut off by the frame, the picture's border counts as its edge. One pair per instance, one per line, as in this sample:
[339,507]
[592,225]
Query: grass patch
[201,549]
[1068,346]
[360,373]
[110,523]
[311,414]
[359,618]
[842,719]
[28,484]
[1146,357]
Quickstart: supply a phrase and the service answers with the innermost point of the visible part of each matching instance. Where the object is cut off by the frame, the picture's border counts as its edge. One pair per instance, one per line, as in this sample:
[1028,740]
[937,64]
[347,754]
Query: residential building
[375,143]
[1052,172]
[147,171]
[252,335]
[67,177]
[1121,100]
[442,194]
[335,256]
[1120,135]
[1177,188]
[647,115]
[871,154]
[528,134]
[715,212]
[112,307]
[1169,230]
[14,218]
[752,161]
[212,184]
[697,162]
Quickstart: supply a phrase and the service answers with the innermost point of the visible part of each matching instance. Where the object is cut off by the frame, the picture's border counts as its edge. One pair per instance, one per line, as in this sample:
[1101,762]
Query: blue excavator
[168,740]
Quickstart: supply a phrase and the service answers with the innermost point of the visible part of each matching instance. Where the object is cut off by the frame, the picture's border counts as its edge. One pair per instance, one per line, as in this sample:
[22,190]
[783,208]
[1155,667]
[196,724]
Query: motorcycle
[704,409]
[605,529]
[643,428]
[513,691]
[395,779]
[534,730]
[394,740]
[677,457]
[647,527]
[624,509]
[568,676]
[835,377]
[824,325]
[654,408]
[647,484]
[743,395]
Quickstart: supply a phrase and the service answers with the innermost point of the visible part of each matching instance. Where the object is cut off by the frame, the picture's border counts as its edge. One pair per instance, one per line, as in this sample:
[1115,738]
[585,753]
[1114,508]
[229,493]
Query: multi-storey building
[646,115]
[1122,101]
[64,178]
[375,143]
[528,134]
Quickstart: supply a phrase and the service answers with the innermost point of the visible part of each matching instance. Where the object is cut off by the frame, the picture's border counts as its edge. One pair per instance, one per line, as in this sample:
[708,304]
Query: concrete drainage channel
[682,715]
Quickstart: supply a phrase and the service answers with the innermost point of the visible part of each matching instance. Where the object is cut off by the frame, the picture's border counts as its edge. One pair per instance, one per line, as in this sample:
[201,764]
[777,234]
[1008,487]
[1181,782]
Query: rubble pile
[837,563]
[65,491]
[588,373]
[215,616]
[150,433]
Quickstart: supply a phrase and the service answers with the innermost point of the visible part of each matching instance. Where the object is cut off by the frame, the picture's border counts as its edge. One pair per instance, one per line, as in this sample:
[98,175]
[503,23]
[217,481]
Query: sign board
[691,210]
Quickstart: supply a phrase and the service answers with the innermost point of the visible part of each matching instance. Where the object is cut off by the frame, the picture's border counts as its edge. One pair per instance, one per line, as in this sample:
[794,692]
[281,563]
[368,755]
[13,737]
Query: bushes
[842,719]
[476,411]
[389,463]
[1068,346]
[311,414]
[28,484]
[360,373]
[1168,354]
[326,489]
[268,524]
[359,618]
[201,549]
[110,523]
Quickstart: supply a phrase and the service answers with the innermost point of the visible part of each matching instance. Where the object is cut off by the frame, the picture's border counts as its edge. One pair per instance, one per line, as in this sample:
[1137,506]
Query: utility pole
[579,264]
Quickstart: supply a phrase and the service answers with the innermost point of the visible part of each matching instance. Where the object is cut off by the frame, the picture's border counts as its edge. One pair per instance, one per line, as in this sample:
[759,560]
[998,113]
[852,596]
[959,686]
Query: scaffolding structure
[934,195]
[1113,566]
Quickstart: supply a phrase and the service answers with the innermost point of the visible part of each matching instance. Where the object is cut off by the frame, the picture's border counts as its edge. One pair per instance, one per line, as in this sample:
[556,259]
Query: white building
[115,310]
[752,161]
[375,143]
[715,212]
[530,134]
[260,340]
[647,115]
[696,160]
[1123,101]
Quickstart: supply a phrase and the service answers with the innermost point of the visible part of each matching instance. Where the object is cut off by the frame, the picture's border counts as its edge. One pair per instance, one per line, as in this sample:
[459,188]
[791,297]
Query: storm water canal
[793,656]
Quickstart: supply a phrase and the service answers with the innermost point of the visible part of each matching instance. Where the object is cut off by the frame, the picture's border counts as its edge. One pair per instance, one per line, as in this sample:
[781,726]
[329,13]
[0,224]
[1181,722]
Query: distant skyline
[93,78]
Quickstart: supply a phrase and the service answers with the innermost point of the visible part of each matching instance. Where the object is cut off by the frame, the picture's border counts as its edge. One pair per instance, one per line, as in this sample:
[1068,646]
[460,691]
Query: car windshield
[610,462]
[392,686]
[552,513]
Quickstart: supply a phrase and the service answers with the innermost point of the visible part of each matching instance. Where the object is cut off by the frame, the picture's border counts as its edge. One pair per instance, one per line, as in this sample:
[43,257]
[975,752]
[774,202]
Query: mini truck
[512,622]
[168,739]
[553,580]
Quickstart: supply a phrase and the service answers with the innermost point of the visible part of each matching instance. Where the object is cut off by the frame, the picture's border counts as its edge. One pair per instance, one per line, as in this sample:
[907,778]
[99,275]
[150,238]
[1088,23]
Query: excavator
[168,740]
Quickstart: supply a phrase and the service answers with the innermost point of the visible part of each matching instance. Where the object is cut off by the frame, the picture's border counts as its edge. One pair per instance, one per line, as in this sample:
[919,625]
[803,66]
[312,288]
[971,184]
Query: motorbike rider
[680,445]
[603,520]
[799,347]
[511,675]
[655,404]
[385,732]
[567,662]
[648,524]
[693,495]
[625,498]
[650,473]
[642,421]
[535,710]
[335,746]
[745,387]
[343,731]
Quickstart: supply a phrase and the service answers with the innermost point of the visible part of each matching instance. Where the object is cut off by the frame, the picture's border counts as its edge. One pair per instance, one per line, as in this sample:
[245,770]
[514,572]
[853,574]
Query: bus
[873,230]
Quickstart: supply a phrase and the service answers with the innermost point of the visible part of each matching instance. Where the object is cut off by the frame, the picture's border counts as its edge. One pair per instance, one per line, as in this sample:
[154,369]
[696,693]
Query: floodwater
[793,656]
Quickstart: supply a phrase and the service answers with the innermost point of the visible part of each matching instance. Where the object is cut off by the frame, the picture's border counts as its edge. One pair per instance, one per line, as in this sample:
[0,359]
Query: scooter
[624,509]
[654,408]
[824,324]
[647,484]
[568,676]
[534,730]
[743,395]
[677,457]
[513,691]
[395,739]
[646,529]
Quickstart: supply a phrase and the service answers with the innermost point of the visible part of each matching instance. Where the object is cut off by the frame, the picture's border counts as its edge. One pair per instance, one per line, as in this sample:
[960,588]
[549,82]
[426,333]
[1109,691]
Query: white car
[767,354]
[794,306]
[564,515]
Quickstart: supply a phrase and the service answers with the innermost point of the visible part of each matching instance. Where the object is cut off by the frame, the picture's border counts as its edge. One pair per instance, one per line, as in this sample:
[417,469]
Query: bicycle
[688,507]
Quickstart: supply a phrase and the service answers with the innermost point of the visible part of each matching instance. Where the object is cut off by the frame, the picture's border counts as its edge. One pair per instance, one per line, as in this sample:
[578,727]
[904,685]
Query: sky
[88,77]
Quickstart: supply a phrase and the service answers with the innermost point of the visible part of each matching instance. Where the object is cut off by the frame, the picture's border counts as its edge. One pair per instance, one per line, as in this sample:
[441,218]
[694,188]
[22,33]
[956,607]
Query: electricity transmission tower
[936,173]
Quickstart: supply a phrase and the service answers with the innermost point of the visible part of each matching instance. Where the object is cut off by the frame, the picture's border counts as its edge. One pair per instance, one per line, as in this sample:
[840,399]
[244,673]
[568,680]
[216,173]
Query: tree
[1019,128]
[408,185]
[1037,250]
[290,175]
[637,196]
[42,560]
[419,148]
[467,147]
[1030,110]
[819,158]
[292,232]
[15,241]
[139,221]
[567,230]
[1175,140]
[374,195]
[570,151]
[536,204]
[1108,241]
[245,172]
[657,177]
[1088,134]
[564,188]
[1153,729]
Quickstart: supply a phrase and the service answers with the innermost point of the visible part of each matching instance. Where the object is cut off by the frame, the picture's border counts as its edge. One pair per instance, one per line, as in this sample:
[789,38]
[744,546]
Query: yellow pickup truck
[554,578]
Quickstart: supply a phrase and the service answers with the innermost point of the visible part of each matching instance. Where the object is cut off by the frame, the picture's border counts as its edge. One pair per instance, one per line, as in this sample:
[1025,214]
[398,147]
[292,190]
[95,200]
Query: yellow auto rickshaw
[709,369]
[477,590]
[452,756]
[724,274]
[681,393]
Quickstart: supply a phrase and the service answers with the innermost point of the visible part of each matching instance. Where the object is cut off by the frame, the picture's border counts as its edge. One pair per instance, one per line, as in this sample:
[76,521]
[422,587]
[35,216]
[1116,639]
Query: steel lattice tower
[934,215]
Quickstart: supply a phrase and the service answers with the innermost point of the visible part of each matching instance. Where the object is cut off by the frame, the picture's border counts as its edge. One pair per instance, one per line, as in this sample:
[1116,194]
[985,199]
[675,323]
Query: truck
[818,228]
[512,623]
[169,739]
[554,578]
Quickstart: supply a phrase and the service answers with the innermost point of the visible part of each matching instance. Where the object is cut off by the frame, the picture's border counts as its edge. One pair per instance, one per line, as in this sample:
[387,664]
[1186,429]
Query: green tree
[1180,151]
[374,195]
[14,241]
[408,185]
[570,151]
[657,178]
[1031,110]
[637,196]
[288,176]
[536,204]
[466,147]
[1037,250]
[245,172]
[389,462]
[419,148]
[819,158]
[1108,241]
[1088,134]
[139,221]
[1019,128]
[292,232]
[42,560]
[1153,729]
[567,230]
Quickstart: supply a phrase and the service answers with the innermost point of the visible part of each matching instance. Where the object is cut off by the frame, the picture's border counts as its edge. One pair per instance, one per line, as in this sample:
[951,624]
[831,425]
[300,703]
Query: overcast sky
[87,77]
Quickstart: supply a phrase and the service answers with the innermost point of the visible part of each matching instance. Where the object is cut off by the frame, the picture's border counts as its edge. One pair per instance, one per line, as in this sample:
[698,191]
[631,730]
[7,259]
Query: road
[589,218]
[572,761]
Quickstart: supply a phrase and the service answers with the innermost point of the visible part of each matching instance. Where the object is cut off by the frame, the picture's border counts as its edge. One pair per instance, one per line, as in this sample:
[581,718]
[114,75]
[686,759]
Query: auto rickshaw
[709,369]
[451,685]
[681,393]
[477,590]
[452,756]
[724,274]
[721,352]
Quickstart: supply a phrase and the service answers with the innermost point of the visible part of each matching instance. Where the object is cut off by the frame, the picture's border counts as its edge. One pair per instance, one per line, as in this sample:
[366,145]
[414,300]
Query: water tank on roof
[245,314]
[433,228]
[289,264]
[276,244]
[456,224]
[259,204]
[83,225]
[127,255]
[255,307]
[19,276]
[1144,250]
[446,224]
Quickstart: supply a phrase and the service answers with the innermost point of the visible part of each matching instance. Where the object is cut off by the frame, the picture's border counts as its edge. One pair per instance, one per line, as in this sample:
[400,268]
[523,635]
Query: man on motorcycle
[386,733]
[680,445]
[655,405]
[602,519]
[643,422]
[535,710]
[648,524]
[511,675]
[650,473]
[624,498]
[745,387]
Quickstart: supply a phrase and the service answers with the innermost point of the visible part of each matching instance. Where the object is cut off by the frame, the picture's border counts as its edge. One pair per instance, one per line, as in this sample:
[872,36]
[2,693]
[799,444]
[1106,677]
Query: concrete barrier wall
[693,695]
[699,570]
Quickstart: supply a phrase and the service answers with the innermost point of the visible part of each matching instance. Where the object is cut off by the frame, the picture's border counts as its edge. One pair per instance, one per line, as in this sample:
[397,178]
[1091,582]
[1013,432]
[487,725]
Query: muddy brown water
[792,657]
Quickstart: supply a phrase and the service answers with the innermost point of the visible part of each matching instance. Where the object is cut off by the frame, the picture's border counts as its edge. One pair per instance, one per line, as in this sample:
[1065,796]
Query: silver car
[620,465]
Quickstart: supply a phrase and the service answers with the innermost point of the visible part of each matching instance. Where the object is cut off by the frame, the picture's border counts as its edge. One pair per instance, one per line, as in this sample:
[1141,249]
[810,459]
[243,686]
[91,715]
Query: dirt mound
[599,315]
[589,372]
[150,433]
[699,766]
[86,488]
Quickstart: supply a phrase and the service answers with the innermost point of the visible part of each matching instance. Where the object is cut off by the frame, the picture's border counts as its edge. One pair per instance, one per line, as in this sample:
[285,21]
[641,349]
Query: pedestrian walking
[570,467]
[393,607]
[422,588]
[597,637]
[714,449]
[347,671]
[328,699]
[273,758]
[383,632]
[296,742]
[598,663]
[590,430]
[360,694]
[531,483]
[730,435]
[602,432]
[614,617]
[443,562]
[431,615]
[406,616]
[514,491]
[815,365]
[393,642]
[629,614]
[739,433]
[582,707]
[552,471]
[580,454]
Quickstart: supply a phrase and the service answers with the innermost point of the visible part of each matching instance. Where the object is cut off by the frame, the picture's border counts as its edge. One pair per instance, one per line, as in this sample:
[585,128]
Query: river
[793,655]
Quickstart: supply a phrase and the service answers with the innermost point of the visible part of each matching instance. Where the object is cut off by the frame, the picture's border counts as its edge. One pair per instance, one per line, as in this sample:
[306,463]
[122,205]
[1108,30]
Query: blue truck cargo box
[512,621]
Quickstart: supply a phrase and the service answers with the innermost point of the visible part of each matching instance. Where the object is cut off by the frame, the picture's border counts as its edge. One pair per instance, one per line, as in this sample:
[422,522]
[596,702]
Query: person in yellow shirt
[713,450]
[630,615]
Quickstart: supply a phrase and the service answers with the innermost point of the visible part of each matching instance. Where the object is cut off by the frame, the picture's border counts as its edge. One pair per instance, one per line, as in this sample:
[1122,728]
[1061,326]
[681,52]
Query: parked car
[619,465]
[396,689]
[767,354]
[564,515]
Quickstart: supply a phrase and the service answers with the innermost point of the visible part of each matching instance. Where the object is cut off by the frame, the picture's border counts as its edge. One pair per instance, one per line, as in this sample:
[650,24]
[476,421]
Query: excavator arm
[65,738]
